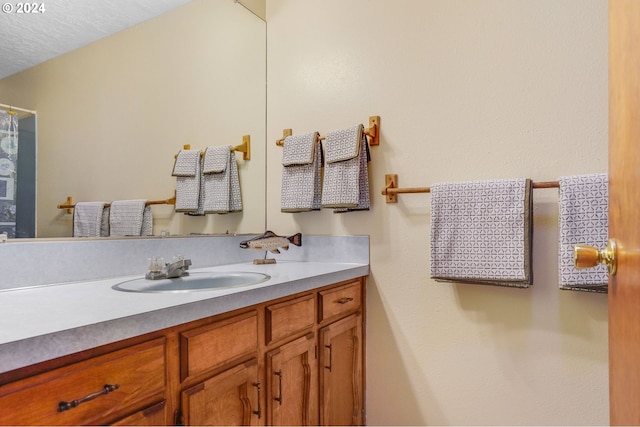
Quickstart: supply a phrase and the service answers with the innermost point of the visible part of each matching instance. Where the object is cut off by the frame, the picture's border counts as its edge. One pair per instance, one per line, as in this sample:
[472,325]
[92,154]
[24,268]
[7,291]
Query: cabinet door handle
[344,300]
[259,411]
[106,389]
[330,356]
[279,398]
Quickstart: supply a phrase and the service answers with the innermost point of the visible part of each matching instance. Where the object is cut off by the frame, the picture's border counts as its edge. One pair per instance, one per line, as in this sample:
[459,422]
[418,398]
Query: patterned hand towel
[147,222]
[301,161]
[221,189]
[584,218]
[346,177]
[186,169]
[87,219]
[126,217]
[481,232]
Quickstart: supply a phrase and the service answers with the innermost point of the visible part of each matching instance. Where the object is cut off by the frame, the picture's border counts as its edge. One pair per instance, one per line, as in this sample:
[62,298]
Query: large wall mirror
[112,115]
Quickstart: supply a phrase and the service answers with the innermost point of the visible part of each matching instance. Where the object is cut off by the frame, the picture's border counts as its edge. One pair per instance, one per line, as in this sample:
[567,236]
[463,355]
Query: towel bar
[69,204]
[244,148]
[391,189]
[373,132]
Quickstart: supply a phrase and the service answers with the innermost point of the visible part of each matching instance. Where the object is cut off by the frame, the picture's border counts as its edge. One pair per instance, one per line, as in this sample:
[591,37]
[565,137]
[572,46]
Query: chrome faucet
[178,268]
[158,269]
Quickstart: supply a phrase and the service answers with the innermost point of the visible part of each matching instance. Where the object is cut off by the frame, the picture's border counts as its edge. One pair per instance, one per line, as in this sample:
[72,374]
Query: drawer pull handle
[344,300]
[279,398]
[106,389]
[259,411]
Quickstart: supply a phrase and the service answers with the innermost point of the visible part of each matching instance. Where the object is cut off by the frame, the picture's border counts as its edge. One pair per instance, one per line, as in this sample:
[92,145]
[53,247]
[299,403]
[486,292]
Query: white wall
[466,89]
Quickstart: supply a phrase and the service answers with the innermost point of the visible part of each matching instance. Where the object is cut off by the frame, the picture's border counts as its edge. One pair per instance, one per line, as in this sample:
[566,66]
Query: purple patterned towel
[481,232]
[127,218]
[186,169]
[346,179]
[301,163]
[87,219]
[220,185]
[584,218]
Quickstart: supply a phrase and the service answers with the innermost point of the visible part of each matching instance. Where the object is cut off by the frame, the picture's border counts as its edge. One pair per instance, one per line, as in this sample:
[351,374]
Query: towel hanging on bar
[221,185]
[583,218]
[481,232]
[88,219]
[130,218]
[346,178]
[301,163]
[186,169]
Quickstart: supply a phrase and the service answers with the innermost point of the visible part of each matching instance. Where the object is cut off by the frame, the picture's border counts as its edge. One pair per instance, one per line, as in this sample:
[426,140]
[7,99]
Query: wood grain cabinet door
[231,398]
[292,383]
[155,415]
[341,382]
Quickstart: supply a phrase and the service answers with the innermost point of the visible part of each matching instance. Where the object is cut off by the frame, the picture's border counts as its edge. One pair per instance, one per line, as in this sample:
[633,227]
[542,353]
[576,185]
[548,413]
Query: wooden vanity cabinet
[297,360]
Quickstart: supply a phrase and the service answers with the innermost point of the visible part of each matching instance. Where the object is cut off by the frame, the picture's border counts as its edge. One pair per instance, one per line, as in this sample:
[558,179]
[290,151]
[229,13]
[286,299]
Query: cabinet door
[152,416]
[341,382]
[230,398]
[292,383]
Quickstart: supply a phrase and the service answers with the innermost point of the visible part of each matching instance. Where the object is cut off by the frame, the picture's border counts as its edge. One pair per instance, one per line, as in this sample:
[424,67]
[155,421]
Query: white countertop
[41,323]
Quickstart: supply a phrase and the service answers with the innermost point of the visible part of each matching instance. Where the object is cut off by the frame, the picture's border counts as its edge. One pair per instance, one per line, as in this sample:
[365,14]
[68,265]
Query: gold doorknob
[585,256]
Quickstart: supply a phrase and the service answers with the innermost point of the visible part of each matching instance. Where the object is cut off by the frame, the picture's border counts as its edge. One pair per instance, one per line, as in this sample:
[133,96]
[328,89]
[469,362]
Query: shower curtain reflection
[8,171]
[17,174]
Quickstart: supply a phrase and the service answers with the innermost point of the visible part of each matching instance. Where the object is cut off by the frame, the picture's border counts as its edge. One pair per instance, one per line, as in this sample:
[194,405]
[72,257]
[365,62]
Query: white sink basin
[193,282]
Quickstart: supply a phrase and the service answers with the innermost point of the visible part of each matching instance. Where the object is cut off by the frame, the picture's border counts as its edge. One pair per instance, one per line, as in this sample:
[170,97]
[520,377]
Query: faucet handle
[156,264]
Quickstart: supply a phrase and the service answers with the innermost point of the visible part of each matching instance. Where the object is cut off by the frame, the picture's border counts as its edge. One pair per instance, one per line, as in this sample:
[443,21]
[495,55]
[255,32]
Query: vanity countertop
[45,322]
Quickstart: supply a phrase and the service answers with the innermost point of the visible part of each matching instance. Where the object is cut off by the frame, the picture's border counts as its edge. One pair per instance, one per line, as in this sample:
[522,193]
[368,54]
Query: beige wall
[466,89]
[112,115]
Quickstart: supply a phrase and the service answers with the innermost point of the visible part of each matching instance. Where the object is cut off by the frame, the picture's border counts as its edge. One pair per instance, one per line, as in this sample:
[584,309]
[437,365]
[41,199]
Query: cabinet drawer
[339,300]
[289,317]
[93,391]
[211,346]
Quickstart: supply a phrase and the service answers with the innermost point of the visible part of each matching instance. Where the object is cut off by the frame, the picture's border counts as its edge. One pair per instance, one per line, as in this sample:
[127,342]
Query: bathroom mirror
[112,115]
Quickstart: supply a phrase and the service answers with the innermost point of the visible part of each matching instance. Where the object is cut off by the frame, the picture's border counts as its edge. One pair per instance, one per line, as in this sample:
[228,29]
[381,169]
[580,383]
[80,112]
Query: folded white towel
[481,232]
[583,218]
[346,178]
[186,169]
[87,219]
[301,185]
[221,189]
[127,217]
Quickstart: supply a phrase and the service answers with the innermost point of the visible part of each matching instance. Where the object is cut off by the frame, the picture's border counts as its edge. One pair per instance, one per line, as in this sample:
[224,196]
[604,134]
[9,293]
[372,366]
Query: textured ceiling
[29,39]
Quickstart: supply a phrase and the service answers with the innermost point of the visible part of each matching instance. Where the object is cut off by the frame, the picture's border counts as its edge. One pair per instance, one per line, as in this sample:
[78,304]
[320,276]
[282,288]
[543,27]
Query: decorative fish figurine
[270,241]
